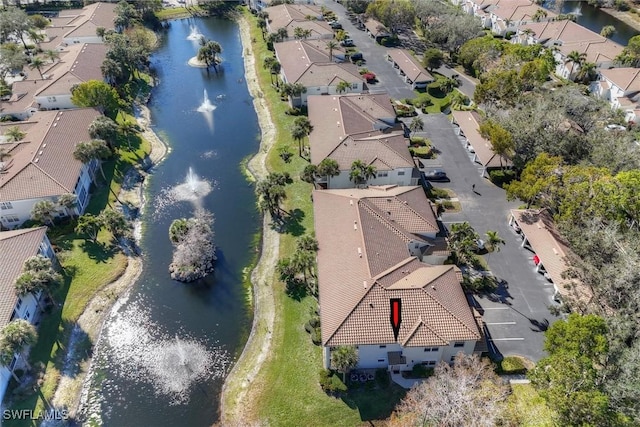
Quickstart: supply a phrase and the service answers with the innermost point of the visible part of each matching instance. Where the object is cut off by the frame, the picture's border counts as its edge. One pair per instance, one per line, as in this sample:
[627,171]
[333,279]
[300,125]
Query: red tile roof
[15,248]
[365,237]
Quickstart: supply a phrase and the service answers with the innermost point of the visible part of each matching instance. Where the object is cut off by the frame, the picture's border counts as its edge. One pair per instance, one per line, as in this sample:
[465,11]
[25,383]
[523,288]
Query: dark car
[435,175]
[335,25]
[356,56]
[347,43]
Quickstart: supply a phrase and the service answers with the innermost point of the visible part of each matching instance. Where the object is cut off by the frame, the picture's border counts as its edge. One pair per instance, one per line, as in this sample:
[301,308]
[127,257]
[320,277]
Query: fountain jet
[192,189]
[206,105]
[195,34]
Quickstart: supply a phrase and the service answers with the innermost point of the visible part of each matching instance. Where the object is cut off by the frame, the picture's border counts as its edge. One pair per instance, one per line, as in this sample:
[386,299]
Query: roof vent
[355,225]
[36,160]
[554,251]
[370,305]
[351,202]
[364,283]
[433,287]
[360,252]
[40,153]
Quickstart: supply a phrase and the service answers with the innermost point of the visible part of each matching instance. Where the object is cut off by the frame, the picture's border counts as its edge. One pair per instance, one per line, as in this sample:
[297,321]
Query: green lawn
[87,267]
[287,392]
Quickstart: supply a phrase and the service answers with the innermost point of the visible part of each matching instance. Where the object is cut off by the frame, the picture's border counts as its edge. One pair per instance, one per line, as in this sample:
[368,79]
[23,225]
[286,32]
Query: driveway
[374,55]
[517,313]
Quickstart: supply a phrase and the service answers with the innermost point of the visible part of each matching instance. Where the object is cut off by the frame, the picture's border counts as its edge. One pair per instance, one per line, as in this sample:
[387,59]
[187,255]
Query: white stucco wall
[394,177]
[55,102]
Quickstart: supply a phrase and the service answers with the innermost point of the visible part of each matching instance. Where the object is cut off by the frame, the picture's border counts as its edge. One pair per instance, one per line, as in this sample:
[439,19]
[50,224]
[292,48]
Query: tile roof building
[375,247]
[15,248]
[469,127]
[360,127]
[78,63]
[621,88]
[308,63]
[290,16]
[551,249]
[41,166]
[409,68]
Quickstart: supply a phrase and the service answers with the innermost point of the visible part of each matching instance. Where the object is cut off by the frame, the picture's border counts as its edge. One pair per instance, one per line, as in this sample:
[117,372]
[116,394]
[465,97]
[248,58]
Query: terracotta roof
[469,124]
[566,31]
[296,56]
[16,247]
[42,164]
[295,15]
[329,74]
[600,51]
[376,28]
[627,79]
[93,16]
[334,117]
[364,237]
[389,150]
[517,10]
[552,249]
[409,65]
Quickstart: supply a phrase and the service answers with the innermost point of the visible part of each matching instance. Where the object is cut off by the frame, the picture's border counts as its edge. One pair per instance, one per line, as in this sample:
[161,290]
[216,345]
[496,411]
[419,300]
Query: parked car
[335,25]
[347,43]
[436,175]
[356,56]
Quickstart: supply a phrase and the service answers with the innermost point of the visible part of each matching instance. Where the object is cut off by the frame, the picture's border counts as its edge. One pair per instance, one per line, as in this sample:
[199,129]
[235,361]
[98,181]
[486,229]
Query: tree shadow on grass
[296,289]
[98,252]
[372,401]
[76,341]
[289,222]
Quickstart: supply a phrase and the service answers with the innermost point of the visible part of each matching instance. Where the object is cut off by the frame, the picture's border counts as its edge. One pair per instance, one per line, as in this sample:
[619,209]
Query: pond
[164,352]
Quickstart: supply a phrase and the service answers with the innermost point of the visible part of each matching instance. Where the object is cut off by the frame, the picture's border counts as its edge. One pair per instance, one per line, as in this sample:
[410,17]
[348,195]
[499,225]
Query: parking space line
[501,323]
[506,339]
[496,308]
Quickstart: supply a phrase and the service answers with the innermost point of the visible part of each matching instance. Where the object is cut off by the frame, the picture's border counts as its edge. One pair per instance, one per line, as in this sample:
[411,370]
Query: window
[12,218]
[453,358]
[18,303]
[431,349]
[12,365]
[6,205]
[400,173]
[429,363]
[383,346]
[382,174]
[381,360]
[354,85]
[458,344]
[434,349]
[27,315]
[82,196]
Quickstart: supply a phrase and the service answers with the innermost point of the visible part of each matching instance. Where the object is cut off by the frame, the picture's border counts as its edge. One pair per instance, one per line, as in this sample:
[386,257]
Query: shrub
[422,100]
[501,177]
[405,110]
[421,371]
[293,111]
[438,193]
[621,5]
[316,336]
[512,365]
[418,140]
[331,383]
[308,327]
[314,322]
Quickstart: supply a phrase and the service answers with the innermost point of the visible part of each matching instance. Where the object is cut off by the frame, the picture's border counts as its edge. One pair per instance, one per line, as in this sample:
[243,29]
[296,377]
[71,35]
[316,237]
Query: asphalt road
[517,313]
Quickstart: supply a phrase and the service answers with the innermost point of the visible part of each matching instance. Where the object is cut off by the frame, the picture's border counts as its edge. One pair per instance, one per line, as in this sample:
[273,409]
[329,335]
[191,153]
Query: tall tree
[469,393]
[607,31]
[104,128]
[416,125]
[209,53]
[576,59]
[42,211]
[540,177]
[570,378]
[501,139]
[331,45]
[38,275]
[15,134]
[37,63]
[89,225]
[96,94]
[462,240]
[343,359]
[115,222]
[15,336]
[432,58]
[69,202]
[95,149]
[301,129]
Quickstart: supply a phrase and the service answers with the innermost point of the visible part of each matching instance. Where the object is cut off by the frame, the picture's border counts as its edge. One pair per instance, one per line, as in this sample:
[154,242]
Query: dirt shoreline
[235,407]
[625,17]
[69,389]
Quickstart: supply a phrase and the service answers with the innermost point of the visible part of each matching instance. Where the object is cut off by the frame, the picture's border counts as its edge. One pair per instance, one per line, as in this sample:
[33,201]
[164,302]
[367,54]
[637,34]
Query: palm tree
[270,195]
[38,275]
[4,153]
[447,84]
[281,34]
[293,91]
[274,67]
[37,63]
[14,338]
[301,128]
[462,240]
[208,53]
[309,174]
[301,33]
[494,240]
[15,134]
[36,37]
[68,201]
[539,15]
[417,125]
[343,86]
[343,359]
[51,55]
[587,73]
[360,173]
[576,58]
[42,212]
[115,222]
[95,149]
[90,225]
[331,45]
[262,24]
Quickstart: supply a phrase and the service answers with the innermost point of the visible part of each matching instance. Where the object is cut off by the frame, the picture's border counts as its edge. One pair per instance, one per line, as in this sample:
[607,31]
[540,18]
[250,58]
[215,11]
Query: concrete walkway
[406,383]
